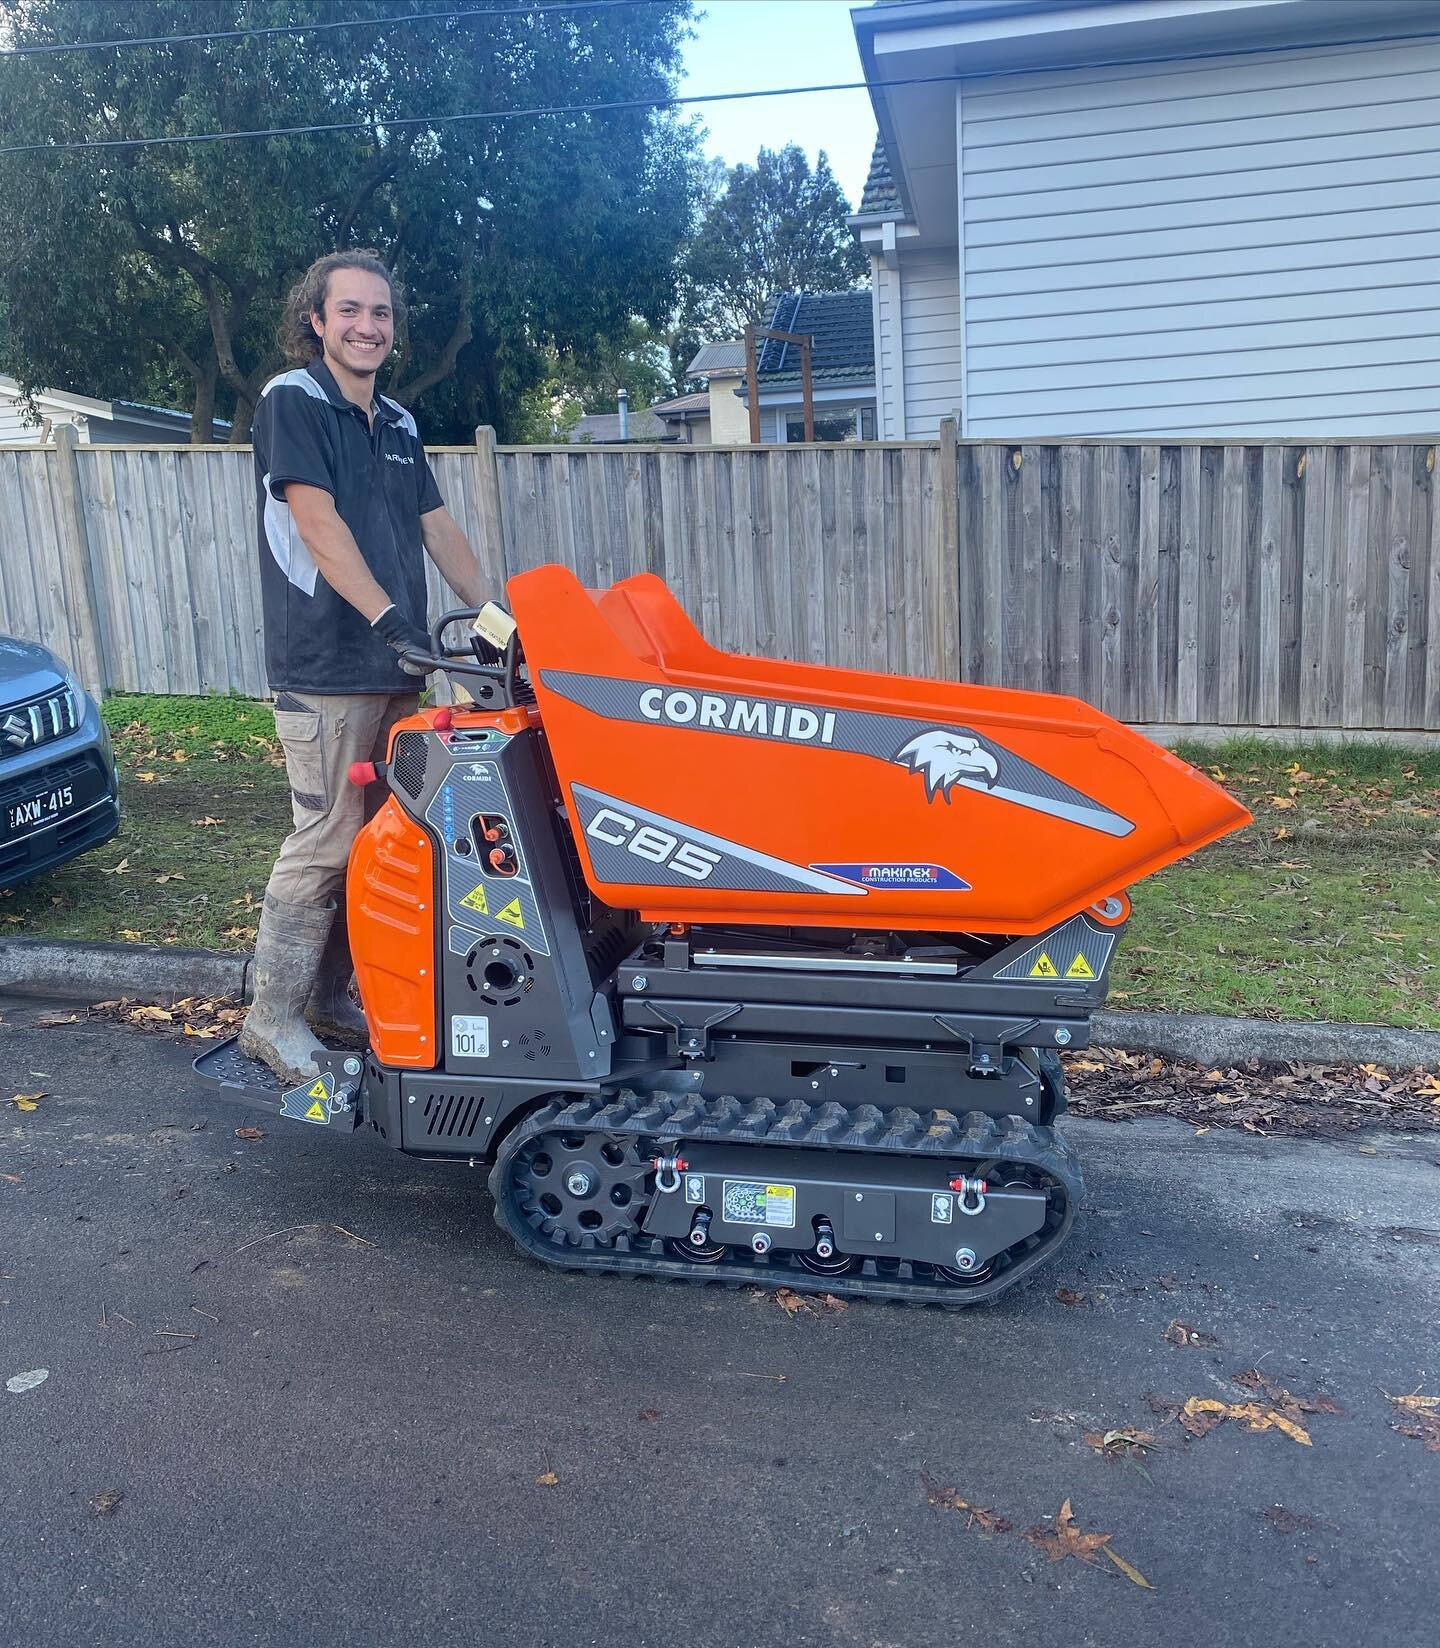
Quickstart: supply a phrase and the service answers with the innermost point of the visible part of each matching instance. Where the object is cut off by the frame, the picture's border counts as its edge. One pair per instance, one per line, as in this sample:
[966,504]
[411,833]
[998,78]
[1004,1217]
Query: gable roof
[841,327]
[683,406]
[604,427]
[717,358]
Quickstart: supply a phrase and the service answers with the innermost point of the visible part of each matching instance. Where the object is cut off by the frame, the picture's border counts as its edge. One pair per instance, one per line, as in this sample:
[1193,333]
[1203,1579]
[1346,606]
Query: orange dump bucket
[705,786]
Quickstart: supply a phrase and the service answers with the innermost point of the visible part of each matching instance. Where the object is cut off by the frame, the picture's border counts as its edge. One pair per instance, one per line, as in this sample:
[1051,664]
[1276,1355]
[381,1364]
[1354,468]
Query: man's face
[357,329]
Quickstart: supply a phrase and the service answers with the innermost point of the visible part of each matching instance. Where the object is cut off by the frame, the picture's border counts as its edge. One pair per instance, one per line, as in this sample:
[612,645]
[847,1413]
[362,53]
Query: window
[834,423]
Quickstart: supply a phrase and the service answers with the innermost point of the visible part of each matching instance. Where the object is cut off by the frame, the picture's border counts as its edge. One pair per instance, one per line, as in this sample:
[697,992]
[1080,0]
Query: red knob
[363,772]
[442,720]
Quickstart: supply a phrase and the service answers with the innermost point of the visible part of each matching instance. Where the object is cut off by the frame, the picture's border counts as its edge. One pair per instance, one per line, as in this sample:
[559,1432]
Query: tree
[775,227]
[164,269]
[638,361]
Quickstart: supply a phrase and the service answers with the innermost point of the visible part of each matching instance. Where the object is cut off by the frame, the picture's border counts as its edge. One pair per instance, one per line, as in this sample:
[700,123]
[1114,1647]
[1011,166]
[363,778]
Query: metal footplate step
[326,1100]
[851,1200]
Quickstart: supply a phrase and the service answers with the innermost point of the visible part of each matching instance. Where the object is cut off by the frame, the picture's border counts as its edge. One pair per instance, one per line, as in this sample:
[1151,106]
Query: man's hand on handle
[394,628]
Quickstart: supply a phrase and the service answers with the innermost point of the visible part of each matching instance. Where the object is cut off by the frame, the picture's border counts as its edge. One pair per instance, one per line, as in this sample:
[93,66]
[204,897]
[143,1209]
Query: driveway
[301,1391]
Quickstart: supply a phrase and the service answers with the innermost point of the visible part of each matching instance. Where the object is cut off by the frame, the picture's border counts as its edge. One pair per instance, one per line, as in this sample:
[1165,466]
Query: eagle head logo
[947,759]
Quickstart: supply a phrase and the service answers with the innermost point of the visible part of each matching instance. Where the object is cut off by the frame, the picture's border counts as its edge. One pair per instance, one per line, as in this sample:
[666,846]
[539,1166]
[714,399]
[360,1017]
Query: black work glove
[396,630]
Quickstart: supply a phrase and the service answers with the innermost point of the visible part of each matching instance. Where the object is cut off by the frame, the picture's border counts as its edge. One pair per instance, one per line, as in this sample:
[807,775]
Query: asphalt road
[347,1449]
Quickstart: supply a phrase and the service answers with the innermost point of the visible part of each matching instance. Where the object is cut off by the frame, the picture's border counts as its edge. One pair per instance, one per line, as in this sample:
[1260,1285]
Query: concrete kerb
[157,975]
[163,976]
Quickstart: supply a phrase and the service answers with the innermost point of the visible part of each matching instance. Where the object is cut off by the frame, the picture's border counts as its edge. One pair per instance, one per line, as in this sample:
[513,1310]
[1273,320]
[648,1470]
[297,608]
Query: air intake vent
[409,764]
[452,1115]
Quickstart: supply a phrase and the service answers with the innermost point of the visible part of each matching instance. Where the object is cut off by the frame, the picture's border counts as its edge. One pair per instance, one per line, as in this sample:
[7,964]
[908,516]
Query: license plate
[39,810]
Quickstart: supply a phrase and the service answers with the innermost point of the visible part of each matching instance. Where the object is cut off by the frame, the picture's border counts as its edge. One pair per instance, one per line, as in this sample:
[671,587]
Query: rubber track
[675,1119]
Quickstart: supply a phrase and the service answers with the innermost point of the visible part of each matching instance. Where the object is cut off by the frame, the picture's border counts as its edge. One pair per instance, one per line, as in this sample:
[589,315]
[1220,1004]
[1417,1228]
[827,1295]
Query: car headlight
[79,699]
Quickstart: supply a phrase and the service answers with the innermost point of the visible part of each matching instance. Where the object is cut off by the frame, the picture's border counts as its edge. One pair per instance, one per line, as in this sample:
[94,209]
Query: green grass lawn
[1327,907]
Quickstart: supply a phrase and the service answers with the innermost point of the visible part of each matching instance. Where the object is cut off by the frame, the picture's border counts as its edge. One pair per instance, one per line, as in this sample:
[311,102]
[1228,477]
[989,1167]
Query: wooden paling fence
[1266,584]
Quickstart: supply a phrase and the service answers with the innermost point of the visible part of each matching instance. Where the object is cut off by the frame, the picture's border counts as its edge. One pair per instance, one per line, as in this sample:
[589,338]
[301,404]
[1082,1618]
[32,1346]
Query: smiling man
[347,505]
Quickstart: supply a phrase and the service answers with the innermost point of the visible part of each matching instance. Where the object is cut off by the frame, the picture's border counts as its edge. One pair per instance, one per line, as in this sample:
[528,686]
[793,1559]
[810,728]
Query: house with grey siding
[1147,218]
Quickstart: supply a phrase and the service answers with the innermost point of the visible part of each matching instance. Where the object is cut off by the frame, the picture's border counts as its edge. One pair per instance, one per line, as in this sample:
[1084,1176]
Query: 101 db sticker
[469,1036]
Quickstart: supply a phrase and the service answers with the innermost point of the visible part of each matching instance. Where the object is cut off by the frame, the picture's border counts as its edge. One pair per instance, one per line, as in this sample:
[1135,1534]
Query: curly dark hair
[296,336]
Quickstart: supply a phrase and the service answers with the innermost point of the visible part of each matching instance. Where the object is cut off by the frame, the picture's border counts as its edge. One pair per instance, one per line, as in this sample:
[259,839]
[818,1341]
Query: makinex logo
[760,717]
[904,877]
[947,759]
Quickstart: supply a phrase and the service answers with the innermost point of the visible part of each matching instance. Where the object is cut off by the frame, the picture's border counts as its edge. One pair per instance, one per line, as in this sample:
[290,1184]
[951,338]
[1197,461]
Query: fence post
[490,550]
[77,573]
[946,642]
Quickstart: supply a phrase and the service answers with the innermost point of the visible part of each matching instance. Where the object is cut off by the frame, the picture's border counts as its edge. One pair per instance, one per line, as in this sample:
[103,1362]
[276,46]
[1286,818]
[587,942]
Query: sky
[744,44]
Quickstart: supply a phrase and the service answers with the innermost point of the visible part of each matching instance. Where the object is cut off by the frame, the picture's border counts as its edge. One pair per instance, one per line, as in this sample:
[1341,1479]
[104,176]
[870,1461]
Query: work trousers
[322,734]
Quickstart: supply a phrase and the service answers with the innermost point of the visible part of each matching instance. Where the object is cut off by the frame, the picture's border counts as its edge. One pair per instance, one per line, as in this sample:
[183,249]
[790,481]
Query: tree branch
[460,334]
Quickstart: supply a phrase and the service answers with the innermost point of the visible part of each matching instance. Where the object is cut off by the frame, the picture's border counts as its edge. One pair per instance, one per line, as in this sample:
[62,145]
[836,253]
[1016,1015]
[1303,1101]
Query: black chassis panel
[886,1076]
[877,1206]
[560,1032]
[1070,1004]
[434,1113]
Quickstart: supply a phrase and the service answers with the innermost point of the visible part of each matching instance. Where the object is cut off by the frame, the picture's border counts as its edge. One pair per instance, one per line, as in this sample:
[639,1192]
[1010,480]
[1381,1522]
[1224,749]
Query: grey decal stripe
[746,871]
[859,732]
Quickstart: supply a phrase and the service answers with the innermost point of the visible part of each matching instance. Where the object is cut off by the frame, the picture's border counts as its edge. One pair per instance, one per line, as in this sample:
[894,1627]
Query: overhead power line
[455,119]
[38,48]
[620,105]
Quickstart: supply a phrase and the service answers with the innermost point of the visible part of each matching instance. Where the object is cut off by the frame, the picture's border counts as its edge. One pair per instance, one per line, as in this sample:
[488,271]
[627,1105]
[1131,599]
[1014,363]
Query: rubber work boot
[288,950]
[332,1009]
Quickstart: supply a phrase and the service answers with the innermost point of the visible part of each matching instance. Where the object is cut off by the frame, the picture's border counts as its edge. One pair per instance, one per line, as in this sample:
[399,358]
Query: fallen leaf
[1253,1379]
[157,1015]
[1069,1296]
[1419,1418]
[649,1413]
[1066,1539]
[1130,1571]
[190,1030]
[1182,1333]
[170,875]
[248,1132]
[50,1020]
[1416,1404]
[107,1501]
[546,1479]
[794,1304]
[117,869]
[206,822]
[983,1517]
[146,777]
[1205,1413]
[1115,1443]
[28,1101]
[830,1302]
[12,1178]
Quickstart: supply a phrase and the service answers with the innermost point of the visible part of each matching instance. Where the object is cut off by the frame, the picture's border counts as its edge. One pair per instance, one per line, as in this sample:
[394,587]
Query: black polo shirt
[305,430]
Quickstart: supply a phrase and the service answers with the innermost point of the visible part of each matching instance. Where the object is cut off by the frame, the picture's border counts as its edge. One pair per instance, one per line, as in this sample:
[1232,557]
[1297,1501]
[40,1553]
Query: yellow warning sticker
[316,1112]
[476,901]
[317,1091]
[1080,968]
[512,914]
[1044,967]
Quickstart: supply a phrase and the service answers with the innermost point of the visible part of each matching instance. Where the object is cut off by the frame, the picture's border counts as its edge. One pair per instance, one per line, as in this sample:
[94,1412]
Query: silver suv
[58,792]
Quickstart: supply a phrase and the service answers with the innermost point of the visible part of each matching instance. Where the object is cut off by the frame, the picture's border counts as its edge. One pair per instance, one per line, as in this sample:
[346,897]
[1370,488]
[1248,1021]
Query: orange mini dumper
[740,970]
